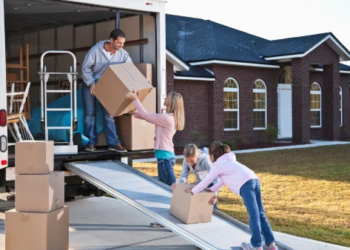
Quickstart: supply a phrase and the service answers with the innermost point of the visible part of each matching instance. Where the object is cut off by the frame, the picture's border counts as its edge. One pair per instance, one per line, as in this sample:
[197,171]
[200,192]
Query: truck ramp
[153,198]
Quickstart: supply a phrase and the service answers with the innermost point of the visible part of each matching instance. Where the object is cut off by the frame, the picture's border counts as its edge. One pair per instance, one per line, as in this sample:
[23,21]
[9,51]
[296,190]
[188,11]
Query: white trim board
[340,71]
[178,64]
[344,55]
[257,65]
[193,78]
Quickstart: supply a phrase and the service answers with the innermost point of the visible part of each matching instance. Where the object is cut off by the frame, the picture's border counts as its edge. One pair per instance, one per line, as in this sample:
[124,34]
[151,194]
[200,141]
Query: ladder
[44,76]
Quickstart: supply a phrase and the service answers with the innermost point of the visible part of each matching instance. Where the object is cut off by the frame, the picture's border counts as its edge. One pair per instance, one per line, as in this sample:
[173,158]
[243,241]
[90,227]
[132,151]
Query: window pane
[258,100]
[231,119]
[259,119]
[315,118]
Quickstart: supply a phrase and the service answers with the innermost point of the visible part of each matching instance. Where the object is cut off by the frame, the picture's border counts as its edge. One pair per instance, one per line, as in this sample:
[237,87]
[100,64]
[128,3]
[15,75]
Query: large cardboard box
[147,70]
[189,208]
[149,103]
[39,193]
[135,134]
[115,82]
[102,141]
[34,157]
[37,231]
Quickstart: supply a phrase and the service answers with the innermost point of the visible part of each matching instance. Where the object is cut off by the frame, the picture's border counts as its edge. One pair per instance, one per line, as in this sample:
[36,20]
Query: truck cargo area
[44,25]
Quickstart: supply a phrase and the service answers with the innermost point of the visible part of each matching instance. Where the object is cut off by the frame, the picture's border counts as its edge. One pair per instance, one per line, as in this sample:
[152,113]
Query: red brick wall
[301,94]
[344,81]
[195,94]
[204,100]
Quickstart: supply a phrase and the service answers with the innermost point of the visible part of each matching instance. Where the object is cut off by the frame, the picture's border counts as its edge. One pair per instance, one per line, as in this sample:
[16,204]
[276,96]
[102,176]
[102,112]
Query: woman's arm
[205,182]
[163,120]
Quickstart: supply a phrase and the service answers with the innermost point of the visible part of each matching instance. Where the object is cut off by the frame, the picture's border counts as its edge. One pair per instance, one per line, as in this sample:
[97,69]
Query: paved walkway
[313,144]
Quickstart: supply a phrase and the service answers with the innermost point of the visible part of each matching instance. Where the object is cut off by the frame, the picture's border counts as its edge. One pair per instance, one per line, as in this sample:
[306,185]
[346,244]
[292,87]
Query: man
[96,61]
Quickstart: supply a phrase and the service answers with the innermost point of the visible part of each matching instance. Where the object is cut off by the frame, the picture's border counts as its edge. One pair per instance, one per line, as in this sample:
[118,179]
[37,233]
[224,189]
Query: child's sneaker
[270,248]
[248,246]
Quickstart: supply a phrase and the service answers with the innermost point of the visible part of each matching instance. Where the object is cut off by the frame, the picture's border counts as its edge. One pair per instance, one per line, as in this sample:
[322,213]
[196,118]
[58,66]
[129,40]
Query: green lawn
[306,192]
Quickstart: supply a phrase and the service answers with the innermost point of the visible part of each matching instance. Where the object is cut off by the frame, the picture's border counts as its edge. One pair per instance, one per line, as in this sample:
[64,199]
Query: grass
[306,192]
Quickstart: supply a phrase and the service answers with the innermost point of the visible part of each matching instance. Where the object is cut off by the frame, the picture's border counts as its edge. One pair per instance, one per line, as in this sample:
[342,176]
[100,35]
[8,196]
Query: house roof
[196,71]
[289,46]
[195,40]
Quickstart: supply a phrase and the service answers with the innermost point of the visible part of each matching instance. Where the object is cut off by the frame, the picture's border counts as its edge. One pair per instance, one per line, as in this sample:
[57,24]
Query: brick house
[235,83]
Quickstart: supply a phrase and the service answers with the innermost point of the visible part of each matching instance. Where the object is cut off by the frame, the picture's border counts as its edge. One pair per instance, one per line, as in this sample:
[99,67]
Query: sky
[272,19]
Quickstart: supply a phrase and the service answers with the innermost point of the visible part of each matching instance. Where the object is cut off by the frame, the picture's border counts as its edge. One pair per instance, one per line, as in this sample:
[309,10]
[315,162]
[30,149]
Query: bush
[271,133]
[195,134]
[239,139]
[344,134]
[231,144]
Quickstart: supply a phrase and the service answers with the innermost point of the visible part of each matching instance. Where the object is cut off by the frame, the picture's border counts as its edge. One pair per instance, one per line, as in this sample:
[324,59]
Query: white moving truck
[72,25]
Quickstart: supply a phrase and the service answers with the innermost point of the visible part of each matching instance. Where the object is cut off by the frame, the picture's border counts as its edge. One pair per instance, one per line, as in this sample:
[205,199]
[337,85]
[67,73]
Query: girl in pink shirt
[166,126]
[244,182]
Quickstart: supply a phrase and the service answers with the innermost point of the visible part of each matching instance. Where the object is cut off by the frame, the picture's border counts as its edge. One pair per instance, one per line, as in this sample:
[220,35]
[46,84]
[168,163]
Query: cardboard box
[117,80]
[37,231]
[102,141]
[146,70]
[135,134]
[149,103]
[189,208]
[39,193]
[34,157]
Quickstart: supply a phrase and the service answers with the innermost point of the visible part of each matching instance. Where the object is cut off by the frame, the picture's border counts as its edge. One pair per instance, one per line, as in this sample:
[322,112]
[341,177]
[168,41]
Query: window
[315,106]
[341,105]
[285,75]
[259,105]
[231,104]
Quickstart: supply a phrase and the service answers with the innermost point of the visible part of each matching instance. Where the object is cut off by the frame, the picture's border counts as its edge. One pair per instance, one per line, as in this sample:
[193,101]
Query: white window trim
[318,92]
[341,105]
[256,110]
[237,110]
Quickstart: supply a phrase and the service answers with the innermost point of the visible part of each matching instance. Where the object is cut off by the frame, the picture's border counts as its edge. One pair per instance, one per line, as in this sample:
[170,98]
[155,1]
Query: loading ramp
[153,198]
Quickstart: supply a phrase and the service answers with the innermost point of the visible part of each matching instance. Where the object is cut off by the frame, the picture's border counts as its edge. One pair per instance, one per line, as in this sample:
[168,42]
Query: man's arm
[87,67]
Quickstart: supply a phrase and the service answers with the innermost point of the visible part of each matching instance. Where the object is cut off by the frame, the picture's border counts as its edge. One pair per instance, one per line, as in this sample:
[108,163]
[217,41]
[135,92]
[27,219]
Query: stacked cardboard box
[40,219]
[134,134]
[189,208]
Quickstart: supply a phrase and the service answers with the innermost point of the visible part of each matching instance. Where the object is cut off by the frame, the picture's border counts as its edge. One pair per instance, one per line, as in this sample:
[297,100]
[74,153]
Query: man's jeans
[166,171]
[258,222]
[89,102]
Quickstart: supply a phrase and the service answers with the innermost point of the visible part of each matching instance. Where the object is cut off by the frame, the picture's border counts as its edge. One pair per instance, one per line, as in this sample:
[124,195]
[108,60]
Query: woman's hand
[188,190]
[213,200]
[173,186]
[131,96]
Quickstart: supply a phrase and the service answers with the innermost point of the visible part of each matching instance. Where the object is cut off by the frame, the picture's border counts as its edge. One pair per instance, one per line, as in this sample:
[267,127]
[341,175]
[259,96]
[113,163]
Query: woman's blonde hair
[191,150]
[176,106]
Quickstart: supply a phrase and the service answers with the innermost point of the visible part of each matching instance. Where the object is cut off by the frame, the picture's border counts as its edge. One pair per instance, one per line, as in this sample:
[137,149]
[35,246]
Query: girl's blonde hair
[191,150]
[176,106]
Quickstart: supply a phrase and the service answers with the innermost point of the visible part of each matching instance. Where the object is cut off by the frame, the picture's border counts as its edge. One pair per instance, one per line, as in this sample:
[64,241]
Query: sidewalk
[313,144]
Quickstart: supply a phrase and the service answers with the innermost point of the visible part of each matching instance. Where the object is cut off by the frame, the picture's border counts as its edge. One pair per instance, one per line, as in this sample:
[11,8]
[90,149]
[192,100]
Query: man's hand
[173,186]
[213,200]
[93,89]
[131,96]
